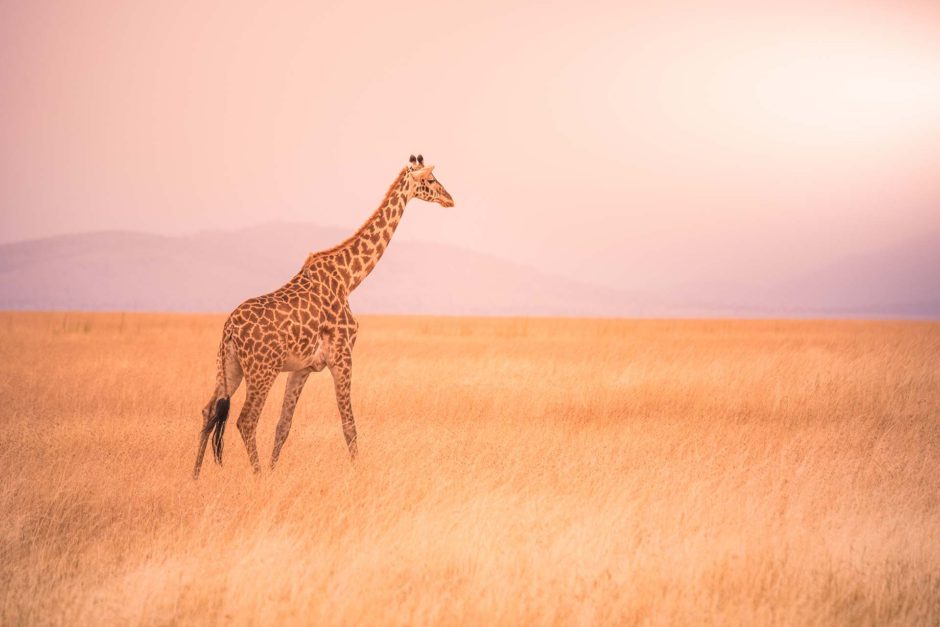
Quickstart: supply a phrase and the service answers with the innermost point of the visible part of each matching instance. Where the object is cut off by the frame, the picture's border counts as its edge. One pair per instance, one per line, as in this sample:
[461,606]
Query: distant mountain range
[216,270]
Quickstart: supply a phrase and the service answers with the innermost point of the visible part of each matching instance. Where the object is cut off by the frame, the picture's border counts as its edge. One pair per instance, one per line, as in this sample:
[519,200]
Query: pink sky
[630,144]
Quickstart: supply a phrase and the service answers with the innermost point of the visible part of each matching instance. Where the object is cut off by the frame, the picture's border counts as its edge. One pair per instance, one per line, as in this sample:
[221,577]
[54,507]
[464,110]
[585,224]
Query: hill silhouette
[215,270]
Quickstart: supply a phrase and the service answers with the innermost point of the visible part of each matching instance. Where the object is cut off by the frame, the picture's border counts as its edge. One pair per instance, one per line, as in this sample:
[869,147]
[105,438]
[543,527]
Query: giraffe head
[427,186]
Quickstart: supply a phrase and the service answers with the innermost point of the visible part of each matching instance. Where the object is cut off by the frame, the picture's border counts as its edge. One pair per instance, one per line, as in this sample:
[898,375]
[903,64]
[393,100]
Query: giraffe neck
[360,253]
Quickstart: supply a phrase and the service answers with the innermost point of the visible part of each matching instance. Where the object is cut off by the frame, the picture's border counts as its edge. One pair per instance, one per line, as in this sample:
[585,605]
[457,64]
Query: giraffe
[306,326]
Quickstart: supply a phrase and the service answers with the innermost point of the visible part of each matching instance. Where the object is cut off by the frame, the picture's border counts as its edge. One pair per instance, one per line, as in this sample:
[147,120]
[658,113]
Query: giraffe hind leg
[248,418]
[201,451]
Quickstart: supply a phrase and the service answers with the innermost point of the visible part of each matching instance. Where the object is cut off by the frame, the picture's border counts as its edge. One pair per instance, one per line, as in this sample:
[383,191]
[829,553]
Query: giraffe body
[305,326]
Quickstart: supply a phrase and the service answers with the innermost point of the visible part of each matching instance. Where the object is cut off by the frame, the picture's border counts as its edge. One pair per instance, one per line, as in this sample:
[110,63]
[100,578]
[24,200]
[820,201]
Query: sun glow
[846,94]
[757,86]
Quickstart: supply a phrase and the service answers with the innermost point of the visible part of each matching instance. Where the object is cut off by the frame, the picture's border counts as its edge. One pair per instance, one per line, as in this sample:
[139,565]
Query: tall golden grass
[514,471]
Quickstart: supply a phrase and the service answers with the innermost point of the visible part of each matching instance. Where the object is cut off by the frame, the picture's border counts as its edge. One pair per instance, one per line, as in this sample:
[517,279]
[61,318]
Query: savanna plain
[511,471]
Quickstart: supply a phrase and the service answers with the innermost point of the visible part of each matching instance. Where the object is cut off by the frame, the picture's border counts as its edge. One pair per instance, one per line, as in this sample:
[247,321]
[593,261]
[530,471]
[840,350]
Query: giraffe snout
[446,199]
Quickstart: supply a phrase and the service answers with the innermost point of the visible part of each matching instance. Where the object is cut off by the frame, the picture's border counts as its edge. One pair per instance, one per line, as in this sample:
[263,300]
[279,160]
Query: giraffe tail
[216,426]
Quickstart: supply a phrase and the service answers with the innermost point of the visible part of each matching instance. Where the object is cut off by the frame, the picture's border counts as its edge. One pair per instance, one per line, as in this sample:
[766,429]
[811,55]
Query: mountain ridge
[214,270]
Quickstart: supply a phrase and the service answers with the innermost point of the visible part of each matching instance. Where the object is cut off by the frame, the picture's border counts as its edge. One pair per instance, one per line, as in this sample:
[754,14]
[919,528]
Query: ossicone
[412,159]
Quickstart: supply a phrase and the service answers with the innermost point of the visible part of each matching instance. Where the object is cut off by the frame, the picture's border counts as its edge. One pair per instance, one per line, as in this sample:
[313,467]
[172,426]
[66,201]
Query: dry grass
[511,471]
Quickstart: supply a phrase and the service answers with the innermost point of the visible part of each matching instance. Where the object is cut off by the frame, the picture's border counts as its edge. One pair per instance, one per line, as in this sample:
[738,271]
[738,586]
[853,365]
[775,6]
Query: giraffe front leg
[341,369]
[295,385]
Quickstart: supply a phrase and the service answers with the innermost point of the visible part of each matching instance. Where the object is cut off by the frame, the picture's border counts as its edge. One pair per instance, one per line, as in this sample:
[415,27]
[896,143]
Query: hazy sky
[633,144]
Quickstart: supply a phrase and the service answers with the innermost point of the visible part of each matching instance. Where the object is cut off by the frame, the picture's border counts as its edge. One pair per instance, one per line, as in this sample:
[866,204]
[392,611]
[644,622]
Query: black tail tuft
[216,425]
